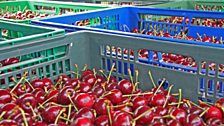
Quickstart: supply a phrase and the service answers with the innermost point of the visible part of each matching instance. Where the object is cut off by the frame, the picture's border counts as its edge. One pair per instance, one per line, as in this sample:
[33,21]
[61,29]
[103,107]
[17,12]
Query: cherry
[5,97]
[11,110]
[98,90]
[125,86]
[90,79]
[173,123]
[40,124]
[63,78]
[58,124]
[52,95]
[82,121]
[135,30]
[27,102]
[84,87]
[100,106]
[112,79]
[19,119]
[157,100]
[214,121]
[145,119]
[86,72]
[160,110]
[115,96]
[195,120]
[87,113]
[8,123]
[124,108]
[39,95]
[179,114]
[72,82]
[82,100]
[138,101]
[47,83]
[102,120]
[22,89]
[50,113]
[10,61]
[112,85]
[195,110]
[213,112]
[64,95]
[37,83]
[100,79]
[122,119]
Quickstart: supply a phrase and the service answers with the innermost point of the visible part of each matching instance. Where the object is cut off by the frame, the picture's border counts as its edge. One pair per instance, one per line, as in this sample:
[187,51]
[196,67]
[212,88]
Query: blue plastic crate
[122,20]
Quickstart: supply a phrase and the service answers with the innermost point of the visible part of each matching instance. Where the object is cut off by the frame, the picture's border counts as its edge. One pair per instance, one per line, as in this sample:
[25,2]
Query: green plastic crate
[49,7]
[191,4]
[13,34]
[58,55]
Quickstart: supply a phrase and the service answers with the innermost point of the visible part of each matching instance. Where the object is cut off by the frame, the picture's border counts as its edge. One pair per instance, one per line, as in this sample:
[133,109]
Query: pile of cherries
[94,99]
[20,15]
[209,8]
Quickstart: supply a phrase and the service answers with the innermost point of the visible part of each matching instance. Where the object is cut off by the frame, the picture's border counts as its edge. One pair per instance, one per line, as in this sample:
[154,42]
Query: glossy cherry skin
[62,78]
[112,85]
[195,120]
[64,94]
[38,83]
[82,121]
[115,96]
[174,123]
[98,90]
[214,121]
[100,106]
[82,100]
[102,120]
[179,114]
[160,110]
[26,101]
[84,87]
[19,119]
[86,72]
[47,83]
[22,89]
[10,61]
[87,113]
[138,101]
[5,97]
[213,112]
[144,119]
[72,82]
[125,86]
[90,79]
[40,124]
[157,100]
[100,79]
[122,119]
[5,122]
[11,110]
[52,95]
[50,113]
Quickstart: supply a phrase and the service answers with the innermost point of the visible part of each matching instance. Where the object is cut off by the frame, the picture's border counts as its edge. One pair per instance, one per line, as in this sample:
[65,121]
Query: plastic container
[45,7]
[58,55]
[13,34]
[205,5]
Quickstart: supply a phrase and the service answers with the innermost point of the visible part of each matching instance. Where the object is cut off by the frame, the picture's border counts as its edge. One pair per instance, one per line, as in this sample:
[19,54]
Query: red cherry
[50,113]
[100,106]
[84,87]
[26,101]
[125,86]
[87,72]
[160,110]
[112,85]
[214,121]
[52,95]
[102,120]
[19,119]
[37,83]
[5,97]
[173,123]
[39,95]
[40,124]
[22,89]
[213,112]
[179,114]
[87,113]
[144,119]
[11,110]
[138,101]
[64,94]
[82,121]
[63,78]
[135,30]
[8,123]
[10,61]
[157,100]
[72,82]
[82,100]
[194,120]
[122,119]
[47,82]
[100,79]
[115,96]
[90,79]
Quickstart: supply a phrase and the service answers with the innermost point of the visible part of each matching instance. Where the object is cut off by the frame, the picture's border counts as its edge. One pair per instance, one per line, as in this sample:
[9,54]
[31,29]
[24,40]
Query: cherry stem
[77,74]
[56,121]
[24,9]
[180,97]
[24,117]
[167,96]
[199,37]
[95,84]
[21,79]
[41,105]
[104,95]
[67,120]
[58,82]
[207,103]
[45,90]
[141,115]
[221,40]
[31,107]
[108,112]
[175,103]
[195,104]
[2,114]
[169,116]
[137,74]
[29,83]
[160,85]
[121,105]
[94,72]
[101,71]
[111,70]
[64,106]
[69,113]
[85,67]
[76,109]
[150,75]
[77,71]
[130,75]
[147,93]
[203,112]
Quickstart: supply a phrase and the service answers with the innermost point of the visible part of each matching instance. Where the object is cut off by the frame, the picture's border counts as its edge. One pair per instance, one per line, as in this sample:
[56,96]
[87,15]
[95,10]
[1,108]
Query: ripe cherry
[11,110]
[112,85]
[50,113]
[19,119]
[90,79]
[27,102]
[82,121]
[39,95]
[122,119]
[125,86]
[214,121]
[37,83]
[138,101]
[98,90]
[213,112]
[102,120]
[100,106]
[84,87]
[65,95]
[145,119]
[5,97]
[115,96]
[72,82]
[8,122]
[195,120]
[157,100]
[22,89]
[82,100]
[87,113]
[179,114]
